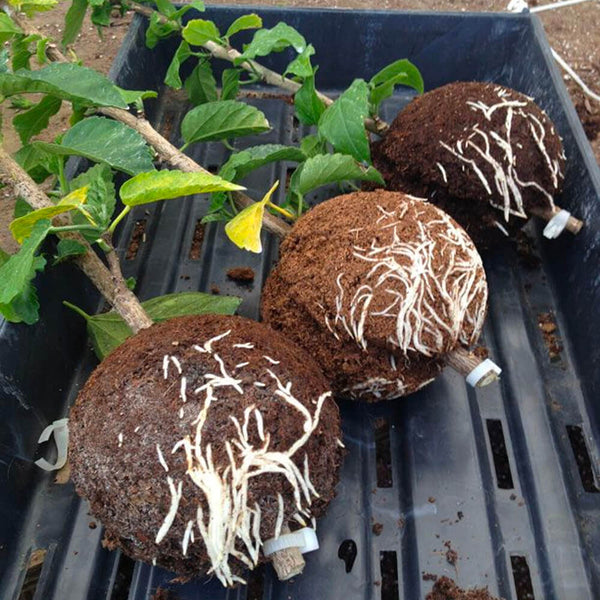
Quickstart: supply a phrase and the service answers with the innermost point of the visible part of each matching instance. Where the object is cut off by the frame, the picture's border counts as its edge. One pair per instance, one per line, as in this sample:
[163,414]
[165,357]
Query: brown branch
[111,285]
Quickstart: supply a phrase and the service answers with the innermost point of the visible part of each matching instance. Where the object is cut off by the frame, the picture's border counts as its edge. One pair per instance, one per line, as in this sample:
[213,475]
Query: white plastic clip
[60,430]
[556,224]
[481,370]
[517,6]
[304,539]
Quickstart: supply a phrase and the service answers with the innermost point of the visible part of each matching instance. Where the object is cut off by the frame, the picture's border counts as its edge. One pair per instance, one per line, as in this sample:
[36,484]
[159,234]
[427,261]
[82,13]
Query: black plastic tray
[506,475]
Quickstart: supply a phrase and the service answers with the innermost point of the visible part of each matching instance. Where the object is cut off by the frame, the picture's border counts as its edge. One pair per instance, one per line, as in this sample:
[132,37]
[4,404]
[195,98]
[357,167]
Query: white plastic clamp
[60,430]
[481,370]
[304,539]
[556,224]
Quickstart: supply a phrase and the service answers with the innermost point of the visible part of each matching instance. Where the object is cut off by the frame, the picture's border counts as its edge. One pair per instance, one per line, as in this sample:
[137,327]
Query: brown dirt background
[573,31]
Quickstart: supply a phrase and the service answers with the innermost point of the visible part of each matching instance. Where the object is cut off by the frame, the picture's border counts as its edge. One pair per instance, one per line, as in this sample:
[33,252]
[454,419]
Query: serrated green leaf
[201,86]
[242,163]
[309,107]
[36,119]
[158,30]
[22,227]
[21,53]
[163,185]
[30,7]
[311,145]
[104,140]
[172,78]
[199,31]
[8,28]
[222,120]
[102,171]
[250,21]
[277,39]
[164,7]
[108,330]
[38,163]
[342,124]
[74,21]
[66,81]
[301,65]
[329,168]
[20,268]
[66,249]
[230,84]
[400,72]
[100,203]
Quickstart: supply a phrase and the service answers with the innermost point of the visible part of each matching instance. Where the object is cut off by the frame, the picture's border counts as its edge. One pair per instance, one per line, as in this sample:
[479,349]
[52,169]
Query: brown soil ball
[197,417]
[378,286]
[486,154]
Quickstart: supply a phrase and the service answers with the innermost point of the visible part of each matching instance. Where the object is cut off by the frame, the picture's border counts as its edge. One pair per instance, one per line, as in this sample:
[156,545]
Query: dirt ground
[574,32]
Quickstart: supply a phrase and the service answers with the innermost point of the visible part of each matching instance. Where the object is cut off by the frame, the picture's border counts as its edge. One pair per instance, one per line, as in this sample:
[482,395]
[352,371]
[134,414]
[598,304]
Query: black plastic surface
[506,476]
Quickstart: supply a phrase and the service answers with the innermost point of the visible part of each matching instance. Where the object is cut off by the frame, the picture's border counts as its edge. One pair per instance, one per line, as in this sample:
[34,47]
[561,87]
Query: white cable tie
[481,370]
[556,224]
[60,429]
[517,6]
[304,539]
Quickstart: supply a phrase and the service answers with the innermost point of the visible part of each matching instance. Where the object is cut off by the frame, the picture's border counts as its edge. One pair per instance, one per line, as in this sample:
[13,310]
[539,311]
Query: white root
[230,523]
[403,272]
[506,180]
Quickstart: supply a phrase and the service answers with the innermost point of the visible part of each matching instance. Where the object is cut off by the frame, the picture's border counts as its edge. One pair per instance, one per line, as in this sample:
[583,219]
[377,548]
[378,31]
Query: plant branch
[111,285]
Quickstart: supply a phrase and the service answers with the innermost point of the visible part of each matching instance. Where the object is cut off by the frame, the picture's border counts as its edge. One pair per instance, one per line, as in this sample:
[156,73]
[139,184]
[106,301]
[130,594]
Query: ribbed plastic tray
[505,476]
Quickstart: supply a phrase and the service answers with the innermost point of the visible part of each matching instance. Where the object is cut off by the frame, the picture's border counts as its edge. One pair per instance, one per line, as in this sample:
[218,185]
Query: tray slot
[255,588]
[522,578]
[123,578]
[137,239]
[388,564]
[504,479]
[383,456]
[582,458]
[33,574]
[197,239]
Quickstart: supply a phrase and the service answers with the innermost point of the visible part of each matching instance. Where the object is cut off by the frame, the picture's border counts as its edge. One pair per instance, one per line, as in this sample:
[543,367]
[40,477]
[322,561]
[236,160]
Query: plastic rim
[481,370]
[556,224]
[304,539]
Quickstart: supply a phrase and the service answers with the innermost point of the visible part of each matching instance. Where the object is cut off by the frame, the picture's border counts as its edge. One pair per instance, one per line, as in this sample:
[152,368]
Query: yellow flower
[244,229]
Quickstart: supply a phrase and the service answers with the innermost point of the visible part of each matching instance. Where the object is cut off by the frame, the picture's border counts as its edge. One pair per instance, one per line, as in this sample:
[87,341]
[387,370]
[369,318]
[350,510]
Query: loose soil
[241,274]
[446,589]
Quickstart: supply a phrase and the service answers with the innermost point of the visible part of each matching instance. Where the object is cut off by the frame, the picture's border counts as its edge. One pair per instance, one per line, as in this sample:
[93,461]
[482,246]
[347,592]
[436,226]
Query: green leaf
[197,5]
[68,249]
[40,50]
[251,21]
[8,28]
[21,103]
[136,97]
[102,171]
[329,168]
[36,119]
[199,31]
[20,268]
[21,53]
[311,145]
[164,7]
[276,39]
[172,78]
[108,330]
[222,120]
[158,31]
[342,124]
[230,84]
[104,140]
[38,163]
[301,65]
[4,57]
[30,7]
[100,15]
[201,86]
[242,163]
[215,217]
[163,185]
[21,208]
[309,107]
[74,21]
[400,72]
[100,203]
[22,227]
[66,81]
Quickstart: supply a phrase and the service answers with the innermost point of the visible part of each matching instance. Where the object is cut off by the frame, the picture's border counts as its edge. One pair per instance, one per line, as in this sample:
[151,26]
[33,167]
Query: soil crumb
[138,237]
[451,553]
[446,589]
[214,289]
[241,274]
[429,577]
[547,325]
[377,528]
[197,241]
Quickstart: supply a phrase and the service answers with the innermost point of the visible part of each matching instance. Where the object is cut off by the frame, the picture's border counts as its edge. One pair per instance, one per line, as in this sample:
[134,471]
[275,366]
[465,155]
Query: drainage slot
[389,575]
[522,578]
[120,590]
[499,454]
[583,459]
[347,552]
[256,584]
[383,455]
[138,237]
[32,576]
[196,245]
